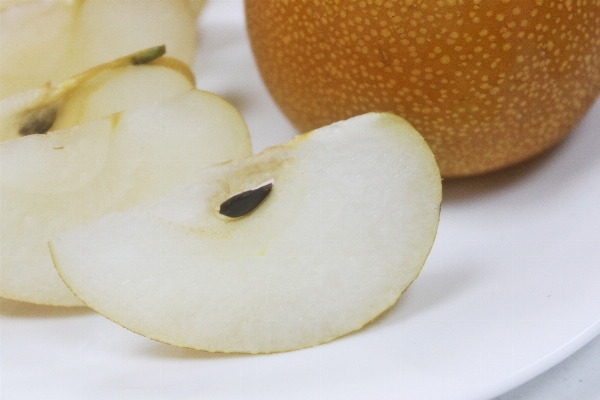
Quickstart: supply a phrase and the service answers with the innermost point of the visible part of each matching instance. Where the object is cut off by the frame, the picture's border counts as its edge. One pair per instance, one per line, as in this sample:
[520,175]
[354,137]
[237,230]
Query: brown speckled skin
[487,82]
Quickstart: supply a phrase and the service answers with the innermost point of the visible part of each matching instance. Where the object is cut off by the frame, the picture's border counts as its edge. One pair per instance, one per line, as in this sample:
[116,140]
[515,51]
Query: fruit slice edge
[348,225]
[135,157]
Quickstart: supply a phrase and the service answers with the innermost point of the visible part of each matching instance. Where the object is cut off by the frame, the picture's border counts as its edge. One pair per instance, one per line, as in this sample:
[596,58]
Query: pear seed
[147,55]
[244,203]
[38,121]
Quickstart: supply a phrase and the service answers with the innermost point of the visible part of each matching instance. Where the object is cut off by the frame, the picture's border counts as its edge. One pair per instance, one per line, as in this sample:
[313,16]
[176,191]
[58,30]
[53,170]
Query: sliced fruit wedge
[52,40]
[55,182]
[122,84]
[348,222]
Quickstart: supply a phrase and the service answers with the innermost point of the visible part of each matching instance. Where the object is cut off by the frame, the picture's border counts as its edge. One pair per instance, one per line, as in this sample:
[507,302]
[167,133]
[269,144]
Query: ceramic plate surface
[510,289]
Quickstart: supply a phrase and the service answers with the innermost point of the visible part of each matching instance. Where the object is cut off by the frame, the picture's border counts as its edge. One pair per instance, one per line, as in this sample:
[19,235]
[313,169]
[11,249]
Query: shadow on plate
[433,288]
[574,154]
[457,190]
[238,99]
[165,351]
[17,309]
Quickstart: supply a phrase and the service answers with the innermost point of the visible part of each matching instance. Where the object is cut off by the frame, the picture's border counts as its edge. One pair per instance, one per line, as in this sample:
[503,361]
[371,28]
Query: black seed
[243,203]
[38,121]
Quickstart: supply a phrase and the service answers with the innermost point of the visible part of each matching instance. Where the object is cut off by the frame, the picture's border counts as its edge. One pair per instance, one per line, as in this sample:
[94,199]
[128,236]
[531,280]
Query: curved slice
[351,217]
[122,84]
[53,183]
[52,40]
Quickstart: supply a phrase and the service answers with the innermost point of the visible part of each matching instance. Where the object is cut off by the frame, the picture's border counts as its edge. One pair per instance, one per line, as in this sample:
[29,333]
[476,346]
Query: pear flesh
[347,226]
[55,182]
[118,85]
[52,40]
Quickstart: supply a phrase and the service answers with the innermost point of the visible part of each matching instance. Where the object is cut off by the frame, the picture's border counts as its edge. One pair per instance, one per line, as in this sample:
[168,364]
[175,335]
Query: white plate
[510,289]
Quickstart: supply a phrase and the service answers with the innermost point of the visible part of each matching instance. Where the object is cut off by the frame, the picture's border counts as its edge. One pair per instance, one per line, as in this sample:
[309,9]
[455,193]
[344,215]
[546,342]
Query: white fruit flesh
[196,5]
[101,91]
[55,182]
[52,40]
[349,223]
[125,89]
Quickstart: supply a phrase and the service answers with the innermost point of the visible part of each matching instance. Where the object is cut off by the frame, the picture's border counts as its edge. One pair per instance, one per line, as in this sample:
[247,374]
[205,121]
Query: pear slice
[125,83]
[196,5]
[55,182]
[54,39]
[350,219]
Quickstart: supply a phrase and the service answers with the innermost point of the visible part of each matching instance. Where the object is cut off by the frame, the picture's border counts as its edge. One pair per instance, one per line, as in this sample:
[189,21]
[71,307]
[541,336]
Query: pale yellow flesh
[349,223]
[55,182]
[196,5]
[52,40]
[99,92]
